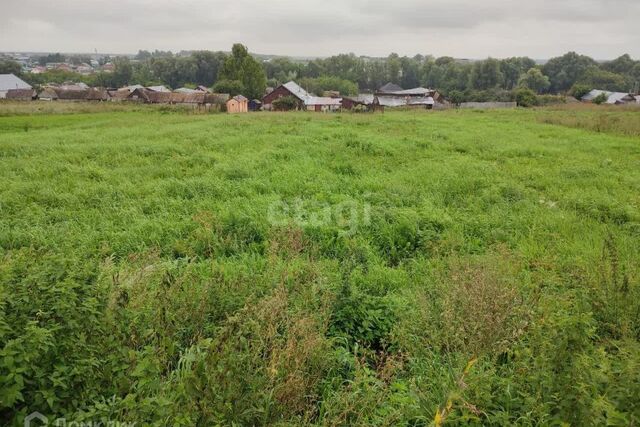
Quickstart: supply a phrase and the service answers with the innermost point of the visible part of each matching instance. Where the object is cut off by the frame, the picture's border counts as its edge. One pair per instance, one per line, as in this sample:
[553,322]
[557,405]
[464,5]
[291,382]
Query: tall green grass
[491,280]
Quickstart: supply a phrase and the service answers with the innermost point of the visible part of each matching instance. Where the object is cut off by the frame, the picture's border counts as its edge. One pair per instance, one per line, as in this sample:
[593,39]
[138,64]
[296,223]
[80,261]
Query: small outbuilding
[255,105]
[48,94]
[21,94]
[238,104]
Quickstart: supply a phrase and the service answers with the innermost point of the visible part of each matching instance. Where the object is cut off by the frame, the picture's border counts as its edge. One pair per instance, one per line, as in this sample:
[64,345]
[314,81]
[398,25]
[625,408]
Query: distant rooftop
[10,81]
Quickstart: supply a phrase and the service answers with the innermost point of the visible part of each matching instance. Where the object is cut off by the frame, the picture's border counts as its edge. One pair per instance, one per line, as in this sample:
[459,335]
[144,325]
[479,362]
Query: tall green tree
[486,75]
[123,71]
[621,65]
[8,66]
[535,80]
[394,67]
[566,70]
[598,78]
[243,67]
[513,68]
[207,66]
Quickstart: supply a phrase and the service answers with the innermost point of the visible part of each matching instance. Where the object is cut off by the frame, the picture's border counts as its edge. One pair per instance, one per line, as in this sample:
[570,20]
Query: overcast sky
[540,29]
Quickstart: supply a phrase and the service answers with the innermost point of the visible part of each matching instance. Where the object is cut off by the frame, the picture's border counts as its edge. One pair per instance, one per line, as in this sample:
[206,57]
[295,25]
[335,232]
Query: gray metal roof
[322,100]
[10,81]
[160,88]
[612,97]
[390,87]
[297,91]
[418,91]
[364,98]
[392,101]
[594,94]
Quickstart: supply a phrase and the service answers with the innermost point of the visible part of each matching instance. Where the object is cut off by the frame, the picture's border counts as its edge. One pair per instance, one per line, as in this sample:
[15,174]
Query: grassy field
[413,268]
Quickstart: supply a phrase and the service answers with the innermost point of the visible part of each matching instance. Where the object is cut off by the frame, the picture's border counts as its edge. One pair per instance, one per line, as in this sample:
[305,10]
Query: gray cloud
[462,28]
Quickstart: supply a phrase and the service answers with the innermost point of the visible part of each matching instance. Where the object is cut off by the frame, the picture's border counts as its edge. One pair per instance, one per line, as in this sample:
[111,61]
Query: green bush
[526,98]
[579,90]
[286,103]
[600,99]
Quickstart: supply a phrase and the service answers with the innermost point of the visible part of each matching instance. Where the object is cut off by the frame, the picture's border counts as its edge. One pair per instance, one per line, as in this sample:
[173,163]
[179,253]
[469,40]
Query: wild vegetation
[405,268]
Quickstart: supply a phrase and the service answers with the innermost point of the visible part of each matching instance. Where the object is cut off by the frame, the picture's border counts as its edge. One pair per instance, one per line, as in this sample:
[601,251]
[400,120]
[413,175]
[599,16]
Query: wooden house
[305,100]
[238,104]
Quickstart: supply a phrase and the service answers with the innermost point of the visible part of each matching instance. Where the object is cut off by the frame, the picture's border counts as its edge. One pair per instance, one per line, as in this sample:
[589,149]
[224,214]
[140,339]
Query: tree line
[240,72]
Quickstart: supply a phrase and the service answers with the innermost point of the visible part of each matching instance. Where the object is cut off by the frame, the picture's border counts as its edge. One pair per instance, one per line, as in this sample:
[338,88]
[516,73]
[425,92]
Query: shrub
[232,87]
[362,320]
[579,90]
[286,103]
[600,99]
[526,98]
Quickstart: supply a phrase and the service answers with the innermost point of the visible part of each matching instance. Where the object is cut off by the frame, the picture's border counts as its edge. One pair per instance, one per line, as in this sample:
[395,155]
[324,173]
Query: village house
[613,98]
[48,94]
[71,95]
[97,94]
[255,105]
[38,69]
[306,100]
[84,69]
[192,99]
[238,104]
[21,94]
[10,81]
[393,96]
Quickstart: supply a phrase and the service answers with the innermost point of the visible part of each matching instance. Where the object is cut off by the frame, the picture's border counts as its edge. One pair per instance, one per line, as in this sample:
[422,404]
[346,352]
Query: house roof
[119,95]
[216,98]
[72,94]
[363,98]
[160,88]
[612,97]
[418,91]
[48,92]
[159,97]
[132,88]
[297,91]
[390,87]
[185,90]
[240,98]
[323,100]
[10,81]
[97,94]
[187,98]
